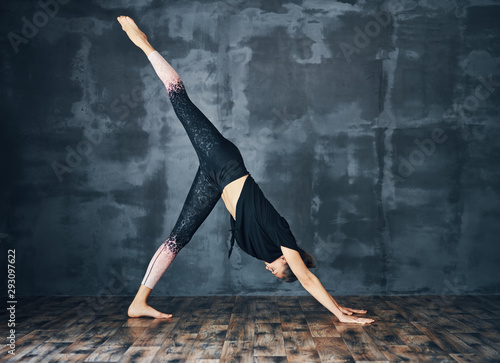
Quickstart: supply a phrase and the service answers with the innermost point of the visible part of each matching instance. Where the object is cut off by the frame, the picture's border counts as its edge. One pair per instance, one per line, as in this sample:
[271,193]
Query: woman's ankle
[148,49]
[142,294]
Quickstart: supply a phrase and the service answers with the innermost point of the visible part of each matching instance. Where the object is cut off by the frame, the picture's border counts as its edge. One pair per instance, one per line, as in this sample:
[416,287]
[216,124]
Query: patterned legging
[220,163]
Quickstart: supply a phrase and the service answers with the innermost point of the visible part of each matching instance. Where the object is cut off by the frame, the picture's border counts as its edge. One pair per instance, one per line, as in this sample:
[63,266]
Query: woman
[256,225]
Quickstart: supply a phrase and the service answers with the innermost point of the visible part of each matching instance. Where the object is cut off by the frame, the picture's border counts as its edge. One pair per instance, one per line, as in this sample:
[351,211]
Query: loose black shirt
[259,229]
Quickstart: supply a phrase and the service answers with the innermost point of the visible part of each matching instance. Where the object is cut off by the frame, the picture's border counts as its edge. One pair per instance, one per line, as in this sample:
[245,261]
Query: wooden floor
[256,329]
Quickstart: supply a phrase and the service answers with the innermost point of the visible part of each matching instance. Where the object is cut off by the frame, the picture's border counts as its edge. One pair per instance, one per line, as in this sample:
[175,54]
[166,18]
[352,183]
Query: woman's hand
[355,320]
[349,311]
[313,286]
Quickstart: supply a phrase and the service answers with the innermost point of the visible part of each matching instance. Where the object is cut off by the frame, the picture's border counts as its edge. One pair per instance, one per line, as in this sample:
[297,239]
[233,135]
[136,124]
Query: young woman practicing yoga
[257,227]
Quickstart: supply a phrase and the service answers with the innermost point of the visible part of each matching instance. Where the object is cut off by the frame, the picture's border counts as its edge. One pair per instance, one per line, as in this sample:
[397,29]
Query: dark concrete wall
[373,127]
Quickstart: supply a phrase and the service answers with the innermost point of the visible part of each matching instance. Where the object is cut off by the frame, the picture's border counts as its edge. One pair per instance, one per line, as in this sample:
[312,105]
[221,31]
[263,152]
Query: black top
[259,229]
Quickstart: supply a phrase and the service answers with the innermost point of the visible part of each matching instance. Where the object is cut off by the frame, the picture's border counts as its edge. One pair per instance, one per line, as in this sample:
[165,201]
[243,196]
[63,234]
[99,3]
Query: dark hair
[288,275]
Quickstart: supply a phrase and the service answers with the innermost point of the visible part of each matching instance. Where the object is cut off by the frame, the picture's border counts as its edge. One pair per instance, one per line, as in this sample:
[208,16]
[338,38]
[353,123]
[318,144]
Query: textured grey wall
[373,127]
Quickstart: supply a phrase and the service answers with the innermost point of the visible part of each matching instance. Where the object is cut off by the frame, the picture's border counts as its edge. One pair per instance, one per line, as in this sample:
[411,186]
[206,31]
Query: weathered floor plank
[258,329]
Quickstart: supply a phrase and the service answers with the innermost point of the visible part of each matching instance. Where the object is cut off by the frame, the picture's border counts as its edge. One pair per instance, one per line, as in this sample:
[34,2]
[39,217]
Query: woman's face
[277,266]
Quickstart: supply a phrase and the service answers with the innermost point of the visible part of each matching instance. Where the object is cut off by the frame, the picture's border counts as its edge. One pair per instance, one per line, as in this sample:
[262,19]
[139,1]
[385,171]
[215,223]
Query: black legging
[220,163]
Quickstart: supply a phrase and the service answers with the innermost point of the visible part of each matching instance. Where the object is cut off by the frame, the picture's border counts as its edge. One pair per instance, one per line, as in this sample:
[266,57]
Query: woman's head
[277,267]
[280,268]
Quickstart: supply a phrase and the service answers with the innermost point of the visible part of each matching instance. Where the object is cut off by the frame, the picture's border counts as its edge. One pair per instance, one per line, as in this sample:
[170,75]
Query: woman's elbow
[308,280]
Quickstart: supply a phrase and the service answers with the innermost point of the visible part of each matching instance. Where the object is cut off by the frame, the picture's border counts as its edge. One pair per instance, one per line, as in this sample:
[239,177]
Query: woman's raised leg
[135,34]
[203,135]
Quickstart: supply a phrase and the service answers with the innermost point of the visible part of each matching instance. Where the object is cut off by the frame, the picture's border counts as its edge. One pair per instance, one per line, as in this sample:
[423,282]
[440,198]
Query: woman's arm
[313,286]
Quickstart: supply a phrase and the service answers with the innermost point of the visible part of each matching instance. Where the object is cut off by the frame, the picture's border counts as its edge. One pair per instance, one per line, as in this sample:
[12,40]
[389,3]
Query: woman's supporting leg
[201,199]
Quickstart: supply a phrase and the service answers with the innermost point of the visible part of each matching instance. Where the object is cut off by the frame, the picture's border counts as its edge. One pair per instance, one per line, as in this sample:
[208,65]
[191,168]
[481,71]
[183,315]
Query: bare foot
[136,310]
[135,34]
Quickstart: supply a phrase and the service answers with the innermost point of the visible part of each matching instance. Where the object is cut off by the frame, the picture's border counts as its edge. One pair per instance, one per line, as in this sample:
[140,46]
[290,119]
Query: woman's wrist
[339,314]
